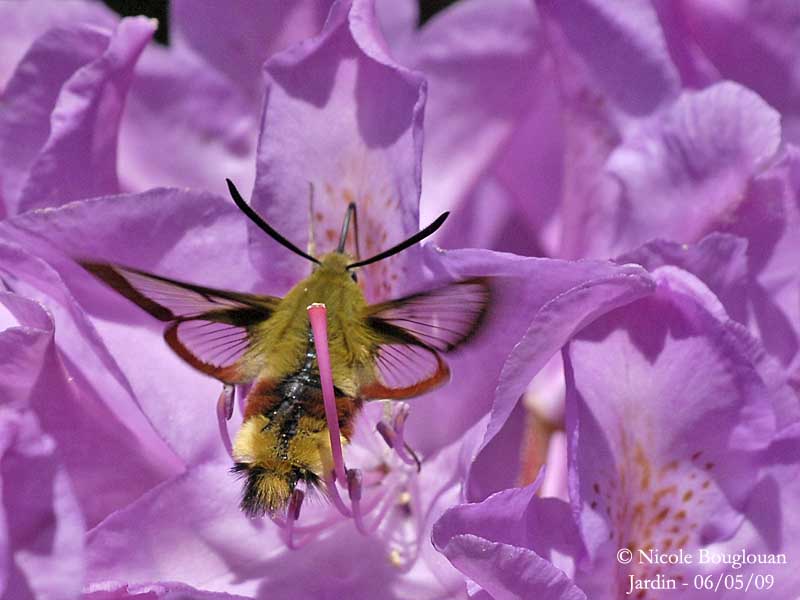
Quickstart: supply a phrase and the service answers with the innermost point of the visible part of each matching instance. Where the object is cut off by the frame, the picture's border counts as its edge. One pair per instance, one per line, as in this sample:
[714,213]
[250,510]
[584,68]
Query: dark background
[158,9]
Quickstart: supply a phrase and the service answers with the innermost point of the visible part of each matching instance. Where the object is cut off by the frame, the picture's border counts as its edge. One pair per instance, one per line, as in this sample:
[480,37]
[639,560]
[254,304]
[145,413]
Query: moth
[390,350]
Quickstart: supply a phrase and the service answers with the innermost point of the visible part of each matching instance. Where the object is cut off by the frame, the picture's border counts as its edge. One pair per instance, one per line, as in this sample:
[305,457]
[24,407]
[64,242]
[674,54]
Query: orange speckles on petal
[670,466]
[662,493]
[687,495]
[662,514]
[644,466]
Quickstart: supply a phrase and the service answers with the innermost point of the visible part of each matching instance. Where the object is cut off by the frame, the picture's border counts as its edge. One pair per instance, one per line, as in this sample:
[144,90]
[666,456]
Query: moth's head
[334,266]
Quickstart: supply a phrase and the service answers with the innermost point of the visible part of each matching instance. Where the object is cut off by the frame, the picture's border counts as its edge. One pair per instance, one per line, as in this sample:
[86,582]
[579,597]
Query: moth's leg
[224,413]
[312,243]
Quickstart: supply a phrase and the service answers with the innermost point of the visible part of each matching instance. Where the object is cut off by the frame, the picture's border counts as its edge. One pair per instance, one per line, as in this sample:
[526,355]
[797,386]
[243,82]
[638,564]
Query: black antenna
[350,214]
[417,237]
[255,218]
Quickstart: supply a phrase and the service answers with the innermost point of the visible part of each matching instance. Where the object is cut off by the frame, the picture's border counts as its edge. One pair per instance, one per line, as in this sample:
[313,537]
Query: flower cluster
[624,174]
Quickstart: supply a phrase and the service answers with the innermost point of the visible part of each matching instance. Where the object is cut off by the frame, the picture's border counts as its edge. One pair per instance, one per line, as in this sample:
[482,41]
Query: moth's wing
[412,332]
[210,329]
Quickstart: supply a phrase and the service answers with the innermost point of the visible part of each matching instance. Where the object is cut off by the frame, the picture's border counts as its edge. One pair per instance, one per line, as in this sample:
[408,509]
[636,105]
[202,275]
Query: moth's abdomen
[283,439]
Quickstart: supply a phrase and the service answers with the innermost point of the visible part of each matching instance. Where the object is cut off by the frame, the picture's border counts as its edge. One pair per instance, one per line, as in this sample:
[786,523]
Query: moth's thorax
[285,336]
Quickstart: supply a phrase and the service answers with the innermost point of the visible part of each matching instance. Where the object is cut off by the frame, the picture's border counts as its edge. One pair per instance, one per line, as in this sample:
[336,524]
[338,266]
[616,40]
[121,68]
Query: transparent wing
[442,318]
[210,329]
[412,331]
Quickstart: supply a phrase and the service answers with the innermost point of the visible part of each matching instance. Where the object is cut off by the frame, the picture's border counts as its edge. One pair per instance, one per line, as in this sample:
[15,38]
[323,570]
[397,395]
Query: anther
[386,433]
[394,438]
[354,481]
[333,494]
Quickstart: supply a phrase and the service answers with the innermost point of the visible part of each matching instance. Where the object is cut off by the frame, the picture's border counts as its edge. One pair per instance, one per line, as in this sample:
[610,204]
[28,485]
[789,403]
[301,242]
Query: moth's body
[389,350]
[284,438]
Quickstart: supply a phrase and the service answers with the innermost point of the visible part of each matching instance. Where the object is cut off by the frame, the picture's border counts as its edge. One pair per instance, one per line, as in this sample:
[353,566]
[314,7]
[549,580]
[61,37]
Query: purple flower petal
[24,341]
[125,457]
[151,591]
[621,44]
[521,287]
[687,166]
[769,218]
[188,530]
[398,20]
[31,96]
[483,62]
[189,236]
[192,530]
[771,525]
[586,289]
[721,262]
[41,536]
[185,125]
[759,286]
[362,118]
[237,42]
[44,536]
[507,544]
[763,56]
[22,22]
[77,157]
[665,416]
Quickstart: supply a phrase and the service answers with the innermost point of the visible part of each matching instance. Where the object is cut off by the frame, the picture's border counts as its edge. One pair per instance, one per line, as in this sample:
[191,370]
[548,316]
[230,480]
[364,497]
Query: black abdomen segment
[299,394]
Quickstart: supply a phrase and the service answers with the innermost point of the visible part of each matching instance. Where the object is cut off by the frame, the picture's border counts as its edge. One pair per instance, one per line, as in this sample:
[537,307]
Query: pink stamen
[224,413]
[387,506]
[278,520]
[333,493]
[317,315]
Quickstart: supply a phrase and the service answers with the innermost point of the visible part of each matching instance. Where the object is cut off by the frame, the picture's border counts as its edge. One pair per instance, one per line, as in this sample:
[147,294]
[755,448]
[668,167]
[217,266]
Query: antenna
[262,224]
[417,237]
